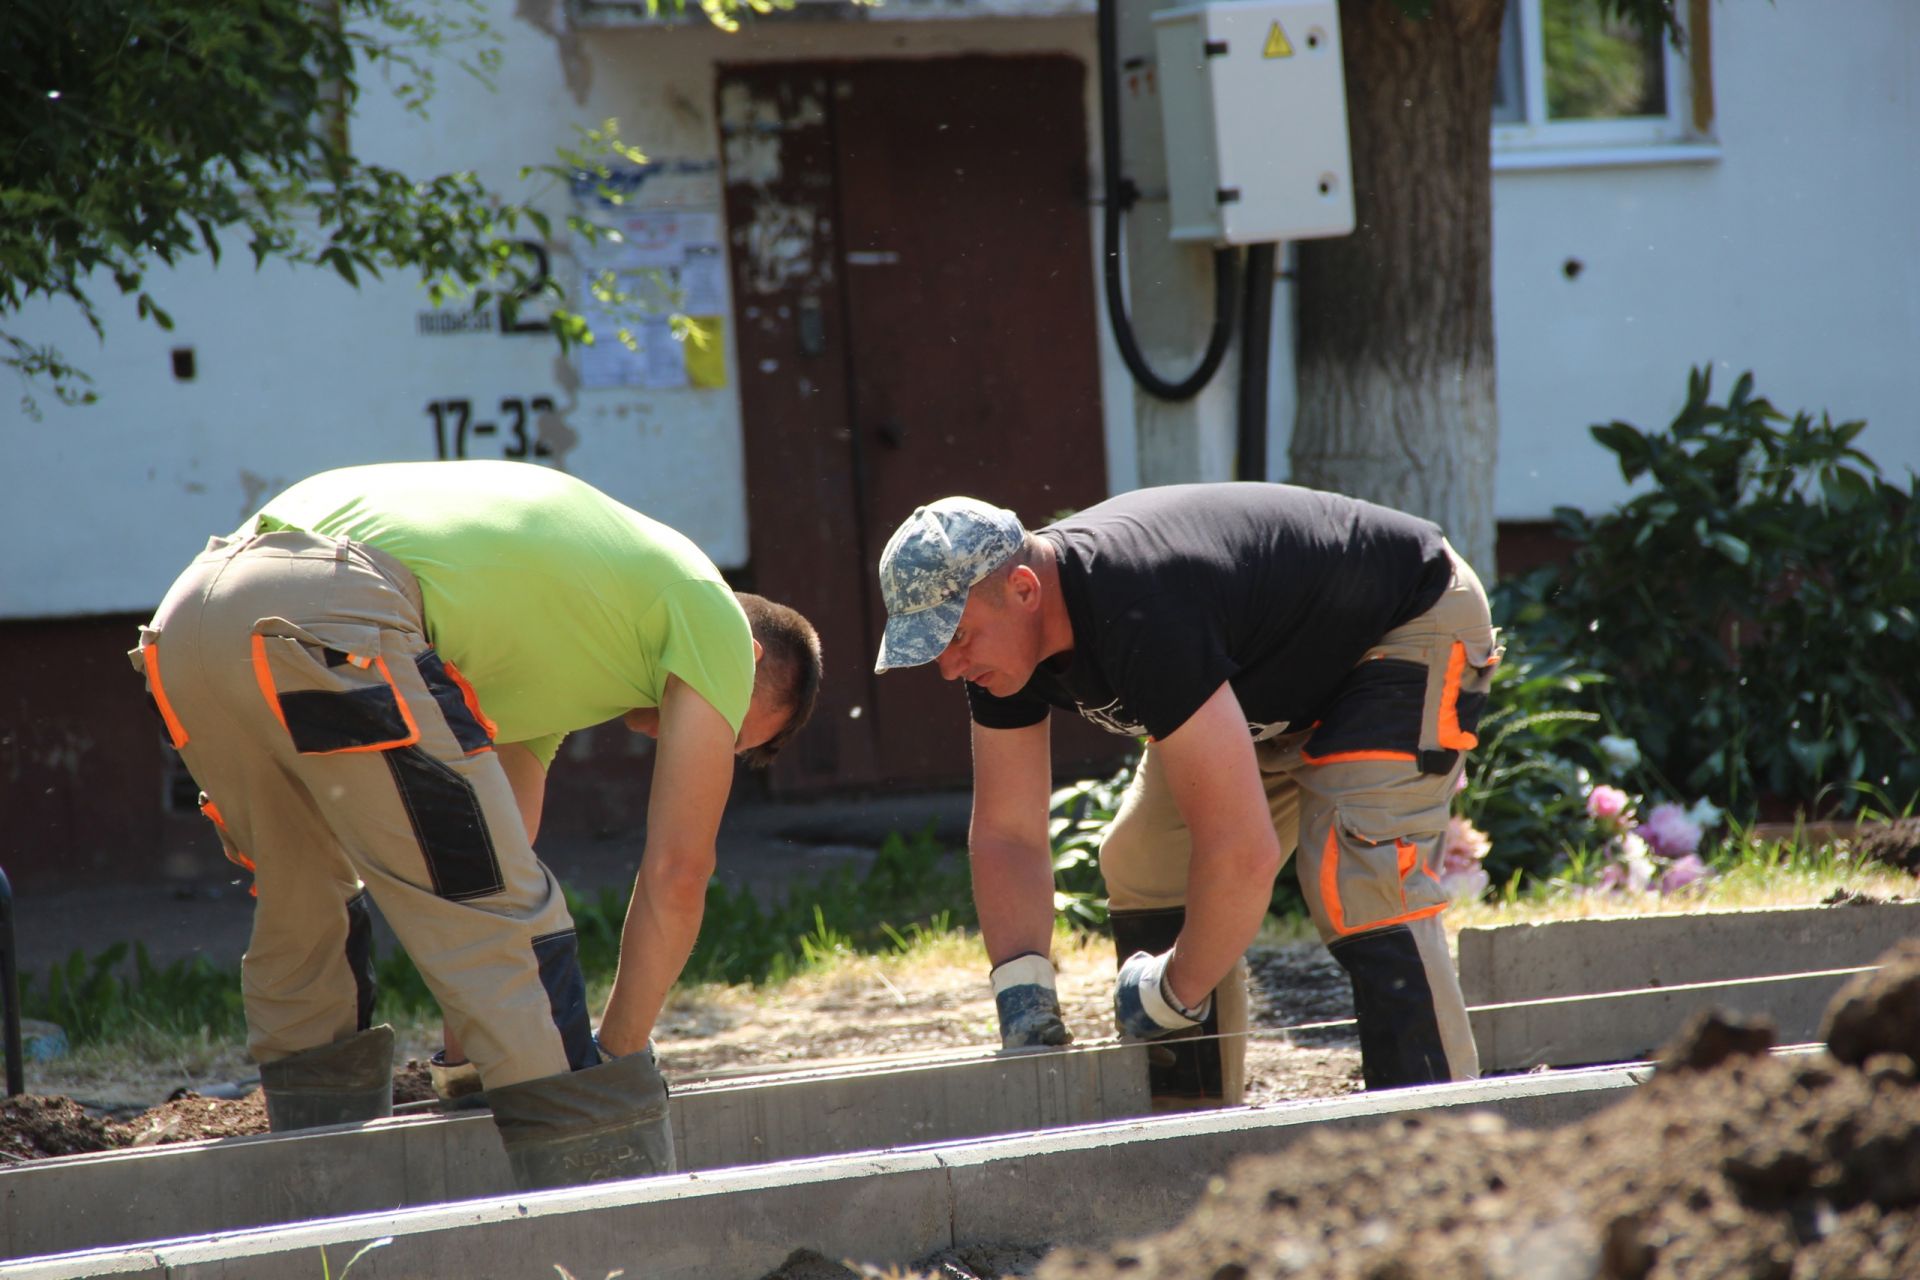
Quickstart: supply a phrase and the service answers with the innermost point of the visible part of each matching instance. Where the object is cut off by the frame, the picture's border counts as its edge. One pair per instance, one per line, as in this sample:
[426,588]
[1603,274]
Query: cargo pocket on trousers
[332,694]
[1374,869]
[332,689]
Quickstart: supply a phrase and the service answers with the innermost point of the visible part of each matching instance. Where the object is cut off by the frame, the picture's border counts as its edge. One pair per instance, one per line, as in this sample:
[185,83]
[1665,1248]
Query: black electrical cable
[1256,334]
[1107,23]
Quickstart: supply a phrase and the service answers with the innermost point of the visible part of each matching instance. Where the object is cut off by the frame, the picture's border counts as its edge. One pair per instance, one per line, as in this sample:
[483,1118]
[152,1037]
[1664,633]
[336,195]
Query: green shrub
[96,998]
[1755,609]
[1077,823]
[1526,784]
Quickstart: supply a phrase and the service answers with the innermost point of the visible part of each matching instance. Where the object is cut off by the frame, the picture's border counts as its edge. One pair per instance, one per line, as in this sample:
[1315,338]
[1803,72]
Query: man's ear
[1024,583]
[759,651]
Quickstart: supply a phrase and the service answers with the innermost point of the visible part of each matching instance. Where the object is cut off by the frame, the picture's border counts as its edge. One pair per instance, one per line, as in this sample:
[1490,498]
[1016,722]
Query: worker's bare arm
[692,774]
[1012,862]
[1215,780]
[528,777]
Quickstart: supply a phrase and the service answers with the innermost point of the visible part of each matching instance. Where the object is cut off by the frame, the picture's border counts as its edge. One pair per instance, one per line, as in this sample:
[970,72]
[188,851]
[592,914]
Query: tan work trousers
[339,755]
[1367,816]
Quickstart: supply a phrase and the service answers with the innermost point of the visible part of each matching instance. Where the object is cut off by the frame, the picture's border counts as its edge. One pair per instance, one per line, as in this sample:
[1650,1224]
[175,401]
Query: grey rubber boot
[346,1082]
[596,1125]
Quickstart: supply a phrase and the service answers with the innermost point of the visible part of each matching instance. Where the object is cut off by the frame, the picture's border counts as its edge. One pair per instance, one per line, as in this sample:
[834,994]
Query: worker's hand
[452,1082]
[609,1055]
[1144,1006]
[1029,1008]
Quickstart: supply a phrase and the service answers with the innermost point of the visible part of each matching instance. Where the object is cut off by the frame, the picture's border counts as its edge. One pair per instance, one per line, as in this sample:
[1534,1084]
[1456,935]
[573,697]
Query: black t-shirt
[1173,590]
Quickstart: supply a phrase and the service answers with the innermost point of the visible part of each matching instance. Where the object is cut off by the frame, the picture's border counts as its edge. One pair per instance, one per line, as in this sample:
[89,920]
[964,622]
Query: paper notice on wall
[666,363]
[657,360]
[703,281]
[606,361]
[664,262]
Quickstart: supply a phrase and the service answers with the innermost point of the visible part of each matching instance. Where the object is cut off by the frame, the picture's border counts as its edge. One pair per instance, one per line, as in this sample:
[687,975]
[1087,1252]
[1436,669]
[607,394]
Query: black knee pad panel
[1393,1002]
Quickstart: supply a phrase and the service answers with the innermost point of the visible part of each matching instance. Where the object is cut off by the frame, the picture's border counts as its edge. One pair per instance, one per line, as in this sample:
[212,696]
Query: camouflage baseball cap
[931,562]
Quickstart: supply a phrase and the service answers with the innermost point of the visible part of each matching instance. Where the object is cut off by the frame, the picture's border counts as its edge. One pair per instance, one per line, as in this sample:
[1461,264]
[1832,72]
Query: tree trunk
[1396,363]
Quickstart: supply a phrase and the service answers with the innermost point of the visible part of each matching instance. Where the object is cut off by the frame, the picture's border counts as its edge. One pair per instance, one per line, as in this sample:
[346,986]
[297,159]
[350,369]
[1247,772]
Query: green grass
[1747,874]
[913,901]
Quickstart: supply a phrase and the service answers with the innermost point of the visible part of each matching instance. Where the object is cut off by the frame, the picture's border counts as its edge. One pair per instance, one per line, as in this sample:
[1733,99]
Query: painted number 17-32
[454,428]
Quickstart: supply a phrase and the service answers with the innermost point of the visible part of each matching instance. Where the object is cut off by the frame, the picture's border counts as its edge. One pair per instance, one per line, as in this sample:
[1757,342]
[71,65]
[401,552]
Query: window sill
[1642,155]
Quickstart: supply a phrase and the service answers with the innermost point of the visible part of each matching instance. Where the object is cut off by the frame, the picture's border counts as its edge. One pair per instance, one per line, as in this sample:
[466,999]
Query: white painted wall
[1796,254]
[297,372]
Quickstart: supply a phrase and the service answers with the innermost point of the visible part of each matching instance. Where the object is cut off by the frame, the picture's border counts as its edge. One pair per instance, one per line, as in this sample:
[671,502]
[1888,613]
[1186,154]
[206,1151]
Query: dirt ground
[863,1009]
[1729,1163]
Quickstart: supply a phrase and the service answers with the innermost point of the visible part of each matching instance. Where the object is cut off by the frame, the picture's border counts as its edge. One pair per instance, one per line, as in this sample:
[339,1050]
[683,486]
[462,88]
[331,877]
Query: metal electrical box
[1254,104]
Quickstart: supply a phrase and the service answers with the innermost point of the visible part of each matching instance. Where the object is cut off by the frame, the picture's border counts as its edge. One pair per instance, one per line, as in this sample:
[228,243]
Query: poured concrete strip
[150,1193]
[1083,1185]
[1585,957]
[1629,1025]
[1647,956]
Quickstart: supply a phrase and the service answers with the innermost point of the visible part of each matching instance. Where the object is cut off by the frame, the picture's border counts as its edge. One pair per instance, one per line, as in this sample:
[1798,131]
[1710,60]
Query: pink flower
[1685,870]
[1460,872]
[1629,868]
[1606,802]
[1465,845]
[1465,886]
[1670,832]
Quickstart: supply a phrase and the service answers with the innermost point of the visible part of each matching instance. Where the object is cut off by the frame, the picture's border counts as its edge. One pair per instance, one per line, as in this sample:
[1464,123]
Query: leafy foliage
[136,133]
[1526,783]
[95,999]
[1756,609]
[1079,818]
[140,131]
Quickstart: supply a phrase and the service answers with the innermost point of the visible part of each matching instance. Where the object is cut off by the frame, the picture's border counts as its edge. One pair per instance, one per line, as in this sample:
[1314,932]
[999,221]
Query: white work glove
[1144,1006]
[608,1055]
[452,1082]
[1029,1008]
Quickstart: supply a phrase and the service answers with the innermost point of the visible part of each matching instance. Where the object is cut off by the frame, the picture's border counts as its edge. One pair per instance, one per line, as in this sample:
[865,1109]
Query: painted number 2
[453,424]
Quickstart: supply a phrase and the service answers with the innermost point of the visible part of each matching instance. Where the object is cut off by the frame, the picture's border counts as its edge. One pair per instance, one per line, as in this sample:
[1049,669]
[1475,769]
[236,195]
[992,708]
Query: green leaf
[1730,547]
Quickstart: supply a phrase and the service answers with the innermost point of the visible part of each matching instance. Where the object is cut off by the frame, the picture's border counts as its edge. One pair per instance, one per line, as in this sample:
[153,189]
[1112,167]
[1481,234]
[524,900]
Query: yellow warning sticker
[1278,46]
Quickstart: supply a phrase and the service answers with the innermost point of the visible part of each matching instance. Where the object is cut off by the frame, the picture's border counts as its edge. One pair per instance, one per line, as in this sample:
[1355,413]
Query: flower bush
[1658,853]
[1755,607]
[1595,836]
[1461,855]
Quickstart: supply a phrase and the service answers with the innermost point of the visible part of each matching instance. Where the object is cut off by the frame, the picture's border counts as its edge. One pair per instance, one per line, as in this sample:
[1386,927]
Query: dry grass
[1774,875]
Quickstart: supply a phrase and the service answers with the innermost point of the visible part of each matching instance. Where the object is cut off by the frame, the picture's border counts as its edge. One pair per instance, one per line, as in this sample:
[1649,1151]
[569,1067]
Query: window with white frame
[1575,80]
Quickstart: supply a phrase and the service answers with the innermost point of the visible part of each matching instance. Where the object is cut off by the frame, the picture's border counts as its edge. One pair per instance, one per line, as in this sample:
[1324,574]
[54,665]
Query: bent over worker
[1307,670]
[369,680]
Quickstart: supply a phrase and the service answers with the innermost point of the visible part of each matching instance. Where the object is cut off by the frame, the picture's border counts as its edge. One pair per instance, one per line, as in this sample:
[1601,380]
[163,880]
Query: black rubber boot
[1399,1032]
[1183,1070]
[347,1082]
[598,1124]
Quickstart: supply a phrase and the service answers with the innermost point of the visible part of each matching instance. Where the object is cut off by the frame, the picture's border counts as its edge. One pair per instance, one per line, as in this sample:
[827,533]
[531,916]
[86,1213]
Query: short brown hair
[789,665]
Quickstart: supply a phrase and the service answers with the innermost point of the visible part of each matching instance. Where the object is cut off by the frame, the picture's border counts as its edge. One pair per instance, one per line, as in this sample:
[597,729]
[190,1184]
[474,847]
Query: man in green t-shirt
[369,680]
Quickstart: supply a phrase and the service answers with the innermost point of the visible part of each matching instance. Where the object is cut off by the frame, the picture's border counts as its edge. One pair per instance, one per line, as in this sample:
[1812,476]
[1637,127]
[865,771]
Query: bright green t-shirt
[562,607]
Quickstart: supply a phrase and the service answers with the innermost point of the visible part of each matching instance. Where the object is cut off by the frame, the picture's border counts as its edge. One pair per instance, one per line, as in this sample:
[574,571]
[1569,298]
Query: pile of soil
[1728,1163]
[1894,844]
[34,1128]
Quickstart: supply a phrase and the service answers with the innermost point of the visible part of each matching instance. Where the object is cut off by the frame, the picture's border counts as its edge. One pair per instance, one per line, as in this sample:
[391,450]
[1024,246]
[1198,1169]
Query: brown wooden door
[913,277]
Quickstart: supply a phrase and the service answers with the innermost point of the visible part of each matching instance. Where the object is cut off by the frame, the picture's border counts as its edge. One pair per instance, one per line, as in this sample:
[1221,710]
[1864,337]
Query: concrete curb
[1636,962]
[119,1197]
[1084,1185]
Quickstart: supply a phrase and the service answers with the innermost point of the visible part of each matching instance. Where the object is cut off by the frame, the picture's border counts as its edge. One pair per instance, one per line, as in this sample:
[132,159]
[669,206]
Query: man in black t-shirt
[1307,670]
